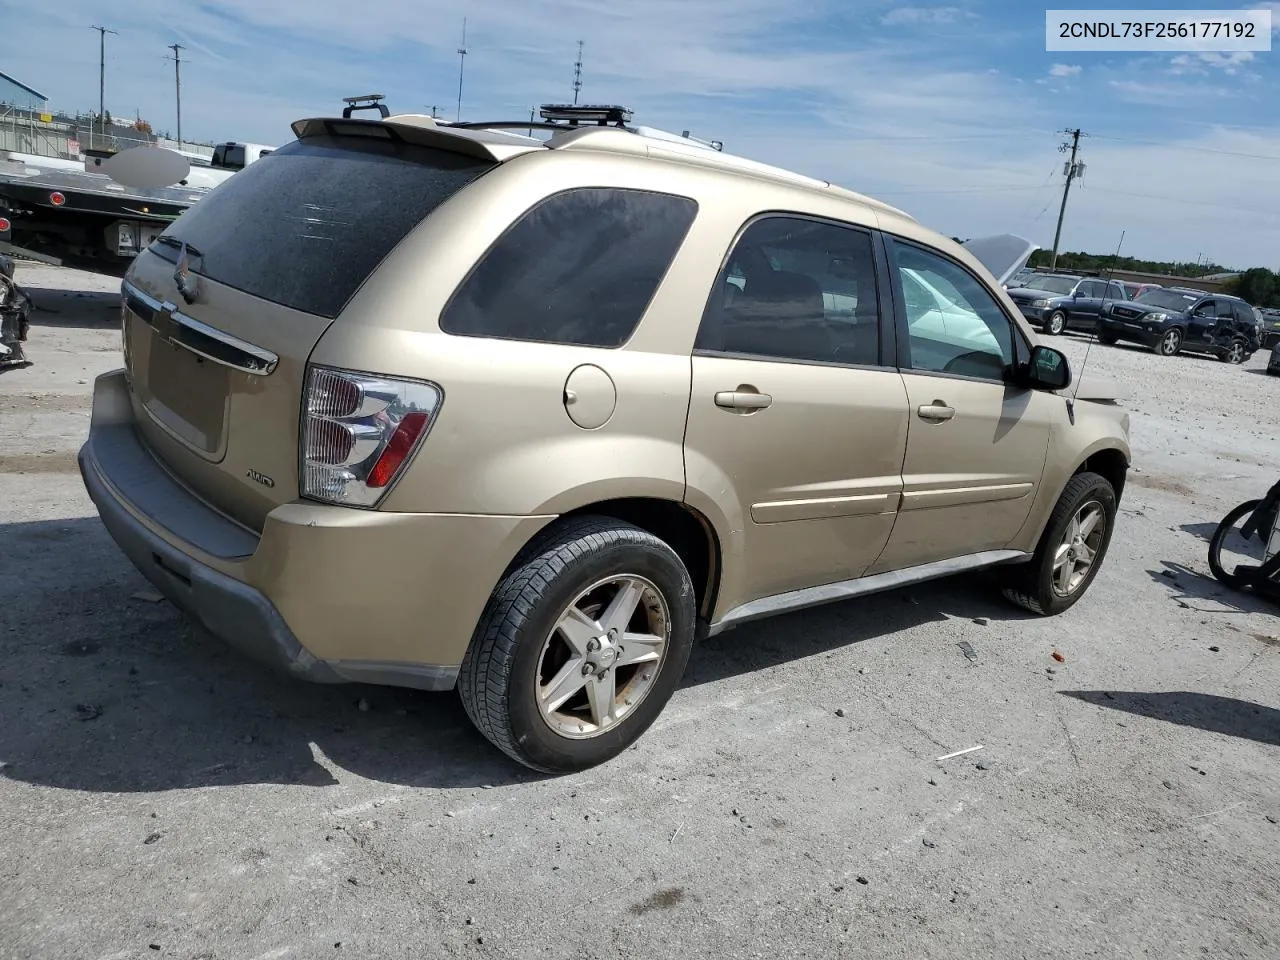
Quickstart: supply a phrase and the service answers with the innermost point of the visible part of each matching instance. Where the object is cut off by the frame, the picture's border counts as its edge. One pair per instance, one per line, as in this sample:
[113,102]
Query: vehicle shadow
[1195,591]
[103,687]
[106,688]
[1203,531]
[1205,711]
[74,309]
[1262,372]
[778,640]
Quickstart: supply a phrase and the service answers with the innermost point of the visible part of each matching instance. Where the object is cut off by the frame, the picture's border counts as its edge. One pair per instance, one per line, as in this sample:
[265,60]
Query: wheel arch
[1110,463]
[690,534]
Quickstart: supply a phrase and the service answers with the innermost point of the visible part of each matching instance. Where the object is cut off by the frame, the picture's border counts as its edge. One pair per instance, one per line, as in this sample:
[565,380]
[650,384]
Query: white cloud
[925,15]
[1274,7]
[1232,64]
[1065,70]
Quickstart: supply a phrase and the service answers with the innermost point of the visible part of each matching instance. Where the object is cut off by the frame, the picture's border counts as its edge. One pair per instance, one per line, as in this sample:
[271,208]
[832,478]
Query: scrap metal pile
[15,312]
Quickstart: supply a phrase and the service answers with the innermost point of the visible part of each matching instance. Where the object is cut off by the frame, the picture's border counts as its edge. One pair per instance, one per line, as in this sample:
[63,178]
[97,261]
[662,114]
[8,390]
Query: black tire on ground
[1219,535]
[1056,323]
[1169,343]
[499,679]
[1107,339]
[1237,352]
[1030,585]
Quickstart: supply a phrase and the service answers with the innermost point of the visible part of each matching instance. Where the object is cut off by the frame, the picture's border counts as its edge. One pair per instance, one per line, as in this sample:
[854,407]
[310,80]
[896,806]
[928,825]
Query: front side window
[958,328]
[578,268]
[796,289]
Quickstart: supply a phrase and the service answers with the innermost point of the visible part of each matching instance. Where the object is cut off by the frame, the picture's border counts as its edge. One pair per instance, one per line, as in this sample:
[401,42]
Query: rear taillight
[360,431]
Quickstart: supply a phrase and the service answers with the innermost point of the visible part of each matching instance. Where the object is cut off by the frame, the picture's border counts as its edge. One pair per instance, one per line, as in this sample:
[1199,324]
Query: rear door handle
[935,411]
[742,400]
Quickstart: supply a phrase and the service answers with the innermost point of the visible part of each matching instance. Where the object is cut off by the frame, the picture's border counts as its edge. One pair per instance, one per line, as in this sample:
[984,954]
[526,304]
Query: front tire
[1107,339]
[1056,323]
[582,644]
[1071,549]
[1169,344]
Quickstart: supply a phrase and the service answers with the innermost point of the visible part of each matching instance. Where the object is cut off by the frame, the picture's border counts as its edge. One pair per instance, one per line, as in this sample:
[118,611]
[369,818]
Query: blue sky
[951,111]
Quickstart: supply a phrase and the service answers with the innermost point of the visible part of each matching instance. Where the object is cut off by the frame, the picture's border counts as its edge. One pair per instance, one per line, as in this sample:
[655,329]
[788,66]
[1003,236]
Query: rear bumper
[229,609]
[327,594]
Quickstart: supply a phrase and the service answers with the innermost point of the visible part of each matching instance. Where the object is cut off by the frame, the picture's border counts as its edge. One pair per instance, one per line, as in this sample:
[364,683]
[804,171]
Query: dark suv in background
[1270,328]
[1059,302]
[1175,319]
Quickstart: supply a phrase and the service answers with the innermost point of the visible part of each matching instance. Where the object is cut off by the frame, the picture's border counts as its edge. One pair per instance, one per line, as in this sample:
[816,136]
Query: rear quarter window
[578,268]
[307,225]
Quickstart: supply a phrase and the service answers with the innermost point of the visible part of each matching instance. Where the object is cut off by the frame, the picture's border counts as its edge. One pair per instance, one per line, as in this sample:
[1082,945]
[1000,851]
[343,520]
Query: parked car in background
[1135,290]
[1172,319]
[1273,365]
[1022,278]
[1058,302]
[1270,335]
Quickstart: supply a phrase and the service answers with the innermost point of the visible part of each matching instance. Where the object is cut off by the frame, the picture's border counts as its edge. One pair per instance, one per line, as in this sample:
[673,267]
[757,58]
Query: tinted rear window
[307,225]
[579,268]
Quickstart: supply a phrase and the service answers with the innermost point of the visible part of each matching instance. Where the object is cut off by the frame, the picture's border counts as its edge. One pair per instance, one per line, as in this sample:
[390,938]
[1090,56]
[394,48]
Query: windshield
[1167,299]
[1061,285]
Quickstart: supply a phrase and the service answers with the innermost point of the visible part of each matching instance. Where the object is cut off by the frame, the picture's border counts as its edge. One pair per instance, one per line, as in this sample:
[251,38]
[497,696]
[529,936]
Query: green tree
[1258,286]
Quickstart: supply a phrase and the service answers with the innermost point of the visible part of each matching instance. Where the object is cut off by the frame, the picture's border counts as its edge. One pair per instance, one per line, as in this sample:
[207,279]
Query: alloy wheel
[1080,544]
[603,656]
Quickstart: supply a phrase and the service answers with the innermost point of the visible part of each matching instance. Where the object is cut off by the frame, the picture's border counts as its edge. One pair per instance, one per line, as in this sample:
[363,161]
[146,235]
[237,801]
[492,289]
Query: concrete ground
[161,796]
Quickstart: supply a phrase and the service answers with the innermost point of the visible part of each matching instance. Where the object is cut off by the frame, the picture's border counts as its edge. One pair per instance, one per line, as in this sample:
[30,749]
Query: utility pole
[577,75]
[102,81]
[177,84]
[1072,171]
[462,66]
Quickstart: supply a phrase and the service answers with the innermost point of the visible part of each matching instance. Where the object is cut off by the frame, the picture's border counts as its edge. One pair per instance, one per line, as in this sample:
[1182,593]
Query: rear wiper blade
[178,245]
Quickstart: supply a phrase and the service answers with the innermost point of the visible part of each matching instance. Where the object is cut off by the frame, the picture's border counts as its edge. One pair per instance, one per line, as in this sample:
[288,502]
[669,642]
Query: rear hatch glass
[278,250]
[305,226]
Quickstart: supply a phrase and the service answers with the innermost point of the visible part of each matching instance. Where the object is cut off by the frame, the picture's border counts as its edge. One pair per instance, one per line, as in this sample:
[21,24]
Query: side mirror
[1048,369]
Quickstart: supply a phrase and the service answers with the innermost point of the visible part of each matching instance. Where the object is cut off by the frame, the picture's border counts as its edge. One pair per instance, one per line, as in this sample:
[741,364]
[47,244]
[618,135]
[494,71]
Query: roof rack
[369,101]
[573,114]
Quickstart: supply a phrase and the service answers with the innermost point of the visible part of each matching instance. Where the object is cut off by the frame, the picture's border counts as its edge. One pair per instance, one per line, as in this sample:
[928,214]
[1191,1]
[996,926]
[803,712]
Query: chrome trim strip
[266,360]
[847,589]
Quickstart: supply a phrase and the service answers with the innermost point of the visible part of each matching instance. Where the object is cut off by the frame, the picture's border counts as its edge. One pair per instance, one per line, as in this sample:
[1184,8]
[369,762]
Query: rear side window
[306,226]
[578,268]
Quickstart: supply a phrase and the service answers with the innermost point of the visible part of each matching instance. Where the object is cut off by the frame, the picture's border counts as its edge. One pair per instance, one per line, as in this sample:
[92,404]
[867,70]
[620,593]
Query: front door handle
[935,411]
[742,400]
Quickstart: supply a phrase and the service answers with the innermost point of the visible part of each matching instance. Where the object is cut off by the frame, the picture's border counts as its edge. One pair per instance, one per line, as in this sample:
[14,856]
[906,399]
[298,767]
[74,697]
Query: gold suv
[440,405]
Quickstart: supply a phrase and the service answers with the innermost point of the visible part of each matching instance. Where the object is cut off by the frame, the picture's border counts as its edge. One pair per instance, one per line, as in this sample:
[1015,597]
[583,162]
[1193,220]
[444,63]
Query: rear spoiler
[422,131]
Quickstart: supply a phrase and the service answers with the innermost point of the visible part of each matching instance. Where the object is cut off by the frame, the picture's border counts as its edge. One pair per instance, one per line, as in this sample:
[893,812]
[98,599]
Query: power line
[1168,146]
[1180,200]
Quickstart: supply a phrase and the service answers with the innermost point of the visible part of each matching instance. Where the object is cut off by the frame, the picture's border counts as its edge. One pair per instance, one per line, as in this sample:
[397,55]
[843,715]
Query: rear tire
[1237,353]
[1107,339]
[534,642]
[1055,578]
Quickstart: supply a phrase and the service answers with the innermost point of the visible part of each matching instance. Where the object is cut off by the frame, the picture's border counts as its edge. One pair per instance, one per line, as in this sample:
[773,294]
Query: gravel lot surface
[160,796]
